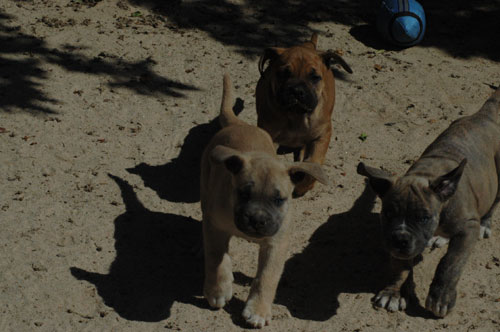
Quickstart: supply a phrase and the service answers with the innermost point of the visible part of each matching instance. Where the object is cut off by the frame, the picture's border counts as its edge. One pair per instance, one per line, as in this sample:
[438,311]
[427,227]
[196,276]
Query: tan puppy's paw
[218,295]
[390,299]
[257,315]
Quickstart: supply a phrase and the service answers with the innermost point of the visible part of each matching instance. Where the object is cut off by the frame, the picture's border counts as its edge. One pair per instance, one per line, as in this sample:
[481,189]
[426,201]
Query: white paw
[257,320]
[484,232]
[437,242]
[390,300]
[219,296]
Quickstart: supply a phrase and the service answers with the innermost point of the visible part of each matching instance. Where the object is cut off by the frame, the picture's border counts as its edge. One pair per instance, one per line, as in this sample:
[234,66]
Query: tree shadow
[254,24]
[155,262]
[22,58]
[179,179]
[344,255]
[462,28]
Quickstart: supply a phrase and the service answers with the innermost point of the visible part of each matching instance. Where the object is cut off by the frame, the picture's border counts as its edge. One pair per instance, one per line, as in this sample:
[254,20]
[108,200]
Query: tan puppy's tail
[492,106]
[227,116]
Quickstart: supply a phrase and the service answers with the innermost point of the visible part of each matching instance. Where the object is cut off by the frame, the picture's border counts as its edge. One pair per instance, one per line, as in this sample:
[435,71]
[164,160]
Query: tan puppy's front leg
[218,285]
[391,297]
[315,152]
[272,256]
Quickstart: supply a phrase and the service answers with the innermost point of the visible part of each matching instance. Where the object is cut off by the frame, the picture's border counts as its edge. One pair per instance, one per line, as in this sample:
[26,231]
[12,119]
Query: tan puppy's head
[411,207]
[262,188]
[298,74]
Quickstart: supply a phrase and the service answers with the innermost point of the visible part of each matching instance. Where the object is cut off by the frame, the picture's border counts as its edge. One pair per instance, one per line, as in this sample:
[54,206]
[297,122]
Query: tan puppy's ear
[232,159]
[270,54]
[446,185]
[330,58]
[380,181]
[299,170]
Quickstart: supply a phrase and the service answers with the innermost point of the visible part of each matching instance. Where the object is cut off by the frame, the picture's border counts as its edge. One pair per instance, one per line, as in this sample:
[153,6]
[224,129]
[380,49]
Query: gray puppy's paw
[256,316]
[484,232]
[437,242]
[440,300]
[219,295]
[390,299]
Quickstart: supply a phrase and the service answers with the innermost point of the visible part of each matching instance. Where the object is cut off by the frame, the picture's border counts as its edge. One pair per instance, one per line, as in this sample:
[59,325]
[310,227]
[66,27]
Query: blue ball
[401,22]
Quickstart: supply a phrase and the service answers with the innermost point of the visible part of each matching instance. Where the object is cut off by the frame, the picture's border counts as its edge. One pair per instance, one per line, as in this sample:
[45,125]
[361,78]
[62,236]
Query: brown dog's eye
[315,78]
[284,73]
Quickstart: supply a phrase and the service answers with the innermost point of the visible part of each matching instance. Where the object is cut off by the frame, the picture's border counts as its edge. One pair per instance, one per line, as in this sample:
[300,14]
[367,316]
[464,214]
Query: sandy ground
[105,108]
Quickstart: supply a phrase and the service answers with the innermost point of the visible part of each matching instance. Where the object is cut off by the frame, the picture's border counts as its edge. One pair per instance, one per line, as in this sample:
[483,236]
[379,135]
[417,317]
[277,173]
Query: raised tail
[492,106]
[227,116]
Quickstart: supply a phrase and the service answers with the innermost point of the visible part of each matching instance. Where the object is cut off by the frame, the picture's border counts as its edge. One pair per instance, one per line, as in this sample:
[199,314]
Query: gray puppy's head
[263,187]
[411,207]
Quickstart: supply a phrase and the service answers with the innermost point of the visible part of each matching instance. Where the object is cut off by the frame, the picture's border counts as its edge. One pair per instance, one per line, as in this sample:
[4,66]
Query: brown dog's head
[298,74]
[263,187]
[411,207]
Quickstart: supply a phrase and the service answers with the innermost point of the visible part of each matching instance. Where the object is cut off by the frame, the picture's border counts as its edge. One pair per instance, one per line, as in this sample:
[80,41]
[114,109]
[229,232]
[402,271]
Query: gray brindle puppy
[450,192]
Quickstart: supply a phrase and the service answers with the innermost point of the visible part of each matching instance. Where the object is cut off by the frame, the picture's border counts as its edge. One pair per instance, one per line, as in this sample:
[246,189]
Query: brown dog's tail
[492,106]
[227,116]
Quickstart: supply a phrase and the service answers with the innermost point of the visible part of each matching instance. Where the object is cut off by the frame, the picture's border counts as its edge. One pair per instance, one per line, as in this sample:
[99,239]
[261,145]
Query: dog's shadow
[155,265]
[179,179]
[344,255]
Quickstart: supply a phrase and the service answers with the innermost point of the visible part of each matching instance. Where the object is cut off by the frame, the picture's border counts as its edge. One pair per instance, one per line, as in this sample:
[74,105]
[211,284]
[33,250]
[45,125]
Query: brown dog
[295,97]
[450,191]
[246,191]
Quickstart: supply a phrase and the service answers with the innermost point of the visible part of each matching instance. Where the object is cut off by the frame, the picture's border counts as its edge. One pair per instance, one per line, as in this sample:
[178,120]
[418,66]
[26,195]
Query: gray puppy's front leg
[390,297]
[443,289]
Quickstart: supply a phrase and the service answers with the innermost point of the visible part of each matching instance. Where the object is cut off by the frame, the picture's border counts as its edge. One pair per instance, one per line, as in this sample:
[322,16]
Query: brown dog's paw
[440,300]
[257,315]
[390,299]
[218,295]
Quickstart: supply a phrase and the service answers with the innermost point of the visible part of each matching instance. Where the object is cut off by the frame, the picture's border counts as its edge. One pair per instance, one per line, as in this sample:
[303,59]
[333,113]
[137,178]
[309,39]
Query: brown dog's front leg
[391,297]
[272,256]
[443,290]
[315,152]
[218,285]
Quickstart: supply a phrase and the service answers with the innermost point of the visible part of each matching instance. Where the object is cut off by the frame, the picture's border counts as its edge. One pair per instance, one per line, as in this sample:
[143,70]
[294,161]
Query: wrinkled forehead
[266,175]
[410,196]
[301,60]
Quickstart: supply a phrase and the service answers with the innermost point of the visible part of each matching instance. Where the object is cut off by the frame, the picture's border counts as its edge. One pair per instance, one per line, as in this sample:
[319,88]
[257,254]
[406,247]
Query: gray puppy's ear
[232,159]
[446,185]
[298,170]
[270,54]
[380,181]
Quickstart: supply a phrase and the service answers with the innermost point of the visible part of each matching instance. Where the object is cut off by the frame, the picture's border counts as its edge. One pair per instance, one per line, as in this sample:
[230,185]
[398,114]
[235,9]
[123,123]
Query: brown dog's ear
[380,181]
[314,39]
[446,185]
[232,159]
[330,58]
[299,170]
[270,54]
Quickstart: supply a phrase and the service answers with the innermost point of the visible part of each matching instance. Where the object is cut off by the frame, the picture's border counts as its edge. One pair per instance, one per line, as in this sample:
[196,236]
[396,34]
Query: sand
[105,108]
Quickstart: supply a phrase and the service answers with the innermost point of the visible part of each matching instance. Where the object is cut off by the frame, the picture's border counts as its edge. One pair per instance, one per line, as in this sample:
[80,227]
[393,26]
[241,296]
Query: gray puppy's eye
[424,219]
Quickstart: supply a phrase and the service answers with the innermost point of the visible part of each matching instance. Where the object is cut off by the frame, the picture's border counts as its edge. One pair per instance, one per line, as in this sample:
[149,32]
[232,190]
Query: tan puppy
[295,97]
[245,191]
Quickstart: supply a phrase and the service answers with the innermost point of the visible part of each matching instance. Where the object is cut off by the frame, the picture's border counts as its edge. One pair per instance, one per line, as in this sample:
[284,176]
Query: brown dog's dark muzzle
[298,97]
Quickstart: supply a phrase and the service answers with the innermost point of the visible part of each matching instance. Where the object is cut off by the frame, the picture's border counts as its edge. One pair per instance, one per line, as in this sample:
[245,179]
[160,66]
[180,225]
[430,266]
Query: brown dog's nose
[297,91]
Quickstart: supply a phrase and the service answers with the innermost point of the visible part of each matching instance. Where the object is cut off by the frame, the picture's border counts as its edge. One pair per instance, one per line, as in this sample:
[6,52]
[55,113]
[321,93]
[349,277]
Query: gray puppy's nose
[400,240]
